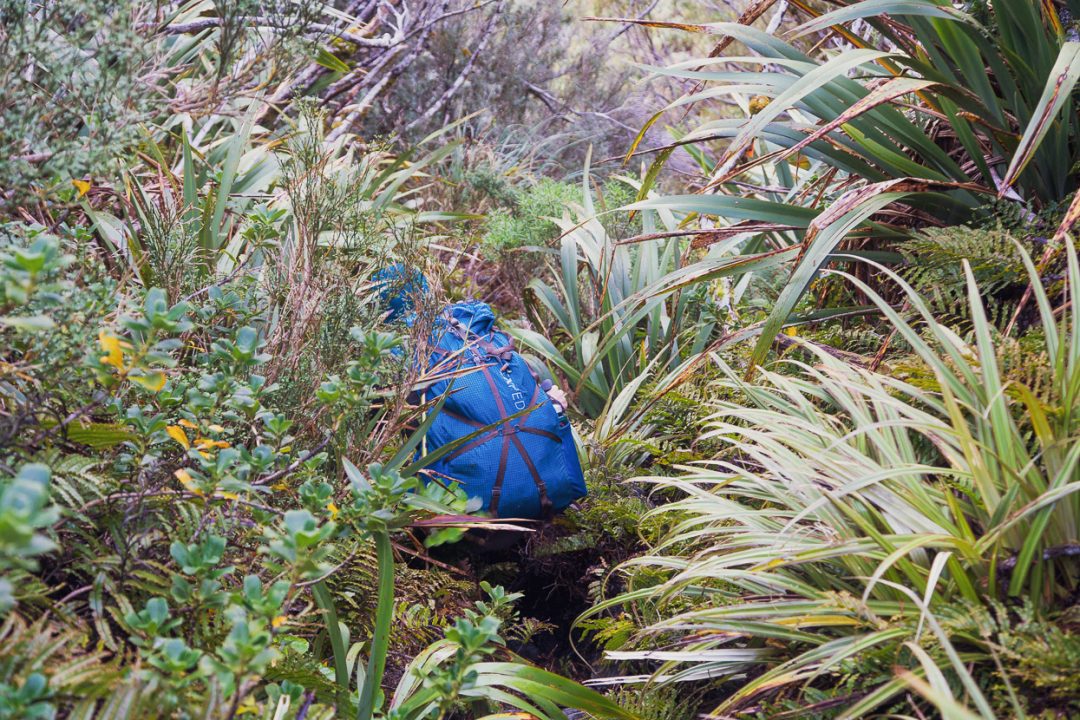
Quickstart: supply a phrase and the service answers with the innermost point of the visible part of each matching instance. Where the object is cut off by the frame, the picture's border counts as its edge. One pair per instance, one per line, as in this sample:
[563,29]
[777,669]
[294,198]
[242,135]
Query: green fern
[657,702]
[1035,651]
[935,268]
[302,669]
[75,479]
[58,653]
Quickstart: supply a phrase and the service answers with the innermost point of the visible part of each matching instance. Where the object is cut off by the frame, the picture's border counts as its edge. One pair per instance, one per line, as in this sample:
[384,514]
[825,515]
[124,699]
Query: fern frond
[75,478]
[935,268]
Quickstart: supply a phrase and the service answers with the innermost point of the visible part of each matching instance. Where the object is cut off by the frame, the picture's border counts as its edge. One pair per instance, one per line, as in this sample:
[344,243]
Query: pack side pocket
[574,474]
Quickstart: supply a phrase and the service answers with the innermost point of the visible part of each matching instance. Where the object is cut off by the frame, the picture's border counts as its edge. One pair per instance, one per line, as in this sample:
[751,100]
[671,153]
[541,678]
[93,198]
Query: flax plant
[905,111]
[856,512]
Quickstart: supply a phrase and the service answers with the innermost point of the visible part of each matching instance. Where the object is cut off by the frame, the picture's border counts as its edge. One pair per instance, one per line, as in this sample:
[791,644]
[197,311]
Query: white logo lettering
[517,396]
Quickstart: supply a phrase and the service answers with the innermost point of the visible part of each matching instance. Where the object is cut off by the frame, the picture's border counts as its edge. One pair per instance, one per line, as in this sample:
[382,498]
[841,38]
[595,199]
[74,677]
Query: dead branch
[465,71]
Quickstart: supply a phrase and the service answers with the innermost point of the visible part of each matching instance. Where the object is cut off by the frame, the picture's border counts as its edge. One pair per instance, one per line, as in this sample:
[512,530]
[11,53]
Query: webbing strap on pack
[503,354]
[541,486]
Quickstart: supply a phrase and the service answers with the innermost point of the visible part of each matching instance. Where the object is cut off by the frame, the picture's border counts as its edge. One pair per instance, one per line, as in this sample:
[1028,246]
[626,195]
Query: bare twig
[544,96]
[295,464]
[34,157]
[386,40]
[357,111]
[443,16]
[485,35]
[163,494]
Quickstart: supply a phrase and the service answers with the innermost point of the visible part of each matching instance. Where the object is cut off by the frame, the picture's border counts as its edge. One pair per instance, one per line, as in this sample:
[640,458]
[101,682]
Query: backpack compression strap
[508,433]
[510,436]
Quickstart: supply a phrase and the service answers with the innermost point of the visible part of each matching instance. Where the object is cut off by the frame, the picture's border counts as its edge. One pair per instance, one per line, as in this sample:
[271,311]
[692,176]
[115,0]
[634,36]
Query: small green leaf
[331,62]
[30,323]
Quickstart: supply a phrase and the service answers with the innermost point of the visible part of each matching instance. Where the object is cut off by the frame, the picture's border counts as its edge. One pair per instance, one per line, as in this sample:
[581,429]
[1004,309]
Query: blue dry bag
[524,462]
[526,465]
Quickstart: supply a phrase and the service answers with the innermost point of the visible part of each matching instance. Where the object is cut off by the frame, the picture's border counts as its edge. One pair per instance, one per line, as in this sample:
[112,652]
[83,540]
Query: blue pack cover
[398,287]
[524,467]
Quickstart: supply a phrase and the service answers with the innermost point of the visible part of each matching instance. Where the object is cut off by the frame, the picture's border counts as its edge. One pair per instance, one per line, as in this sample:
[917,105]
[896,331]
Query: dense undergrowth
[821,337]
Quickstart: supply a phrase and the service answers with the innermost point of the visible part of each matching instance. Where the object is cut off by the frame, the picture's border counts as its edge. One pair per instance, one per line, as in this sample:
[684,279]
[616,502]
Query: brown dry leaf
[849,200]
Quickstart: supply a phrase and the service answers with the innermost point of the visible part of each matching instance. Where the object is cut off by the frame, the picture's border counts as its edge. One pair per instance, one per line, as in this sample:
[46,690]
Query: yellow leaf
[206,443]
[153,381]
[216,428]
[249,707]
[228,495]
[278,621]
[790,332]
[279,487]
[189,484]
[333,510]
[187,423]
[82,186]
[114,349]
[177,433]
[759,103]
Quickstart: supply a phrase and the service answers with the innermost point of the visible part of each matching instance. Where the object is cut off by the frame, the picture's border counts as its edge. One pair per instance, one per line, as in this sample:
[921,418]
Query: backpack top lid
[468,317]
[399,286]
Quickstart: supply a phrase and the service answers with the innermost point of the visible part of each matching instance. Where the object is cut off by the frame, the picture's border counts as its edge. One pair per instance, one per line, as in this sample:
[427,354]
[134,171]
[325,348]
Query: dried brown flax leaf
[852,198]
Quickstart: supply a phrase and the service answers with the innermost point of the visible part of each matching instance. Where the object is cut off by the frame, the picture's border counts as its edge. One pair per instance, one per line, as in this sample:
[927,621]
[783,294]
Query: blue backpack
[525,466]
